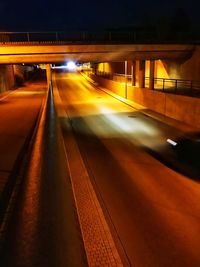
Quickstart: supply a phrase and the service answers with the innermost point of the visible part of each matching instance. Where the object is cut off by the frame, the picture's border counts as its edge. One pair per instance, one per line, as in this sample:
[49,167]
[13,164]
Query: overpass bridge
[108,47]
[56,47]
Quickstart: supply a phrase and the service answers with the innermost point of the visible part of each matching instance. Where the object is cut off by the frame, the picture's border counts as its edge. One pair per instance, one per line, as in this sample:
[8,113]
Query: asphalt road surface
[153,211]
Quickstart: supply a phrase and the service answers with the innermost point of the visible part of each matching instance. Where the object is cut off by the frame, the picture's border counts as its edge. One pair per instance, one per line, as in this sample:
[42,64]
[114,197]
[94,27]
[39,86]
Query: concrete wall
[114,67]
[190,69]
[105,67]
[182,108]
[7,80]
[18,74]
[116,87]
[10,76]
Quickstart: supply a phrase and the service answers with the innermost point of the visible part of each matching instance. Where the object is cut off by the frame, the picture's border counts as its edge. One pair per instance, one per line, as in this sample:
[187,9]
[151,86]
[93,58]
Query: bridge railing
[130,36]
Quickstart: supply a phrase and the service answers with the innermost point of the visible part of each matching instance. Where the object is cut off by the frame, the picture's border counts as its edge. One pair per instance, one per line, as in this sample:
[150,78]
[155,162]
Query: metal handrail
[177,83]
[177,86]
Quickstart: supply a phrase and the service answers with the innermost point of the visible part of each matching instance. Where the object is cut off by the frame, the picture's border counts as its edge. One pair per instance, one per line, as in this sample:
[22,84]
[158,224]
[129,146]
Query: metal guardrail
[130,36]
[178,86]
[175,86]
[178,83]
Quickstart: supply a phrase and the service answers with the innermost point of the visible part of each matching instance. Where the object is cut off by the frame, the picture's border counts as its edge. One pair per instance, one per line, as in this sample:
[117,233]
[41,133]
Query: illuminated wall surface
[163,69]
[7,80]
[10,75]
[160,70]
[190,68]
[105,67]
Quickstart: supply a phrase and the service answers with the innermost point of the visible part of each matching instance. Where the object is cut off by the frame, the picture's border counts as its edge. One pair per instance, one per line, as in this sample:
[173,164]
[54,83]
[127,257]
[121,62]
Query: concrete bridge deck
[35,52]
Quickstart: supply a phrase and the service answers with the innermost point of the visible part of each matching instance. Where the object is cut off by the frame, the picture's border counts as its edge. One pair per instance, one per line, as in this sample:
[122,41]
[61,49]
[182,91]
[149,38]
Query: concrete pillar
[141,76]
[151,74]
[48,73]
[133,73]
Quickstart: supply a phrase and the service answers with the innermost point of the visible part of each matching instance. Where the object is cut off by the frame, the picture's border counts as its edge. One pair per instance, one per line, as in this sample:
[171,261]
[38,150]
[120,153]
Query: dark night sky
[21,15]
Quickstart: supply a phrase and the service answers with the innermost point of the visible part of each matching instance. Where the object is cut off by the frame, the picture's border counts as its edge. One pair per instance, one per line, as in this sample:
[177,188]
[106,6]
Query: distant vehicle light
[71,66]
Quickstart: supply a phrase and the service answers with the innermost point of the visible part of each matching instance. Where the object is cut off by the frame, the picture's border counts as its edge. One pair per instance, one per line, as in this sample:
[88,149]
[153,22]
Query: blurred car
[182,154]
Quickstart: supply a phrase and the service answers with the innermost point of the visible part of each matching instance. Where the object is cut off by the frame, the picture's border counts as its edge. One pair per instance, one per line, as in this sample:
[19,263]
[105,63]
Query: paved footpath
[100,247]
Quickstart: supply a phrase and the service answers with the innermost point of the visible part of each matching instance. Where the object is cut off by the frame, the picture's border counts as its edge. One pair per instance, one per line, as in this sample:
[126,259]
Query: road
[153,211]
